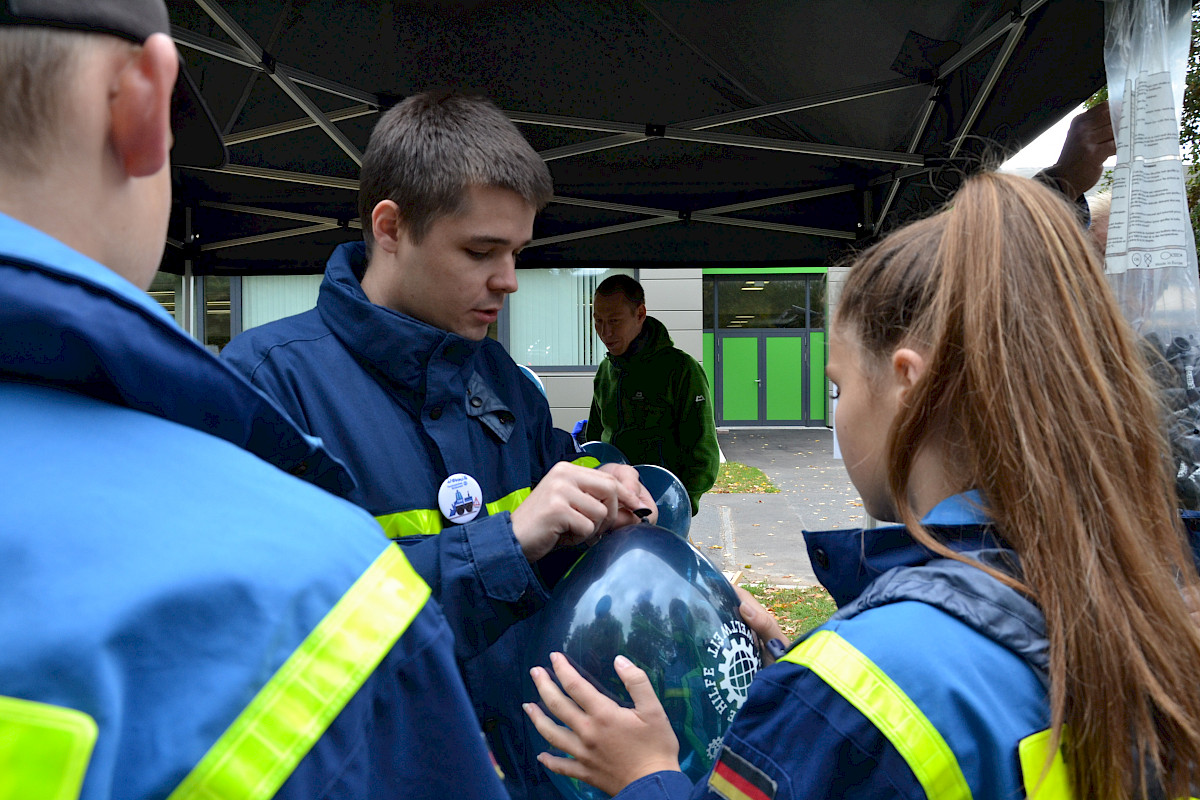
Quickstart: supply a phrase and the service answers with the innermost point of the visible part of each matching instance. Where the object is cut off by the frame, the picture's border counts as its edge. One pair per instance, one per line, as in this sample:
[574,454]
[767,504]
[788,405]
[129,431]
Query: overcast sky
[1043,151]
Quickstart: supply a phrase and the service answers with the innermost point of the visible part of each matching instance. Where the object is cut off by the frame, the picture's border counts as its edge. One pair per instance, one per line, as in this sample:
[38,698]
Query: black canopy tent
[678,132]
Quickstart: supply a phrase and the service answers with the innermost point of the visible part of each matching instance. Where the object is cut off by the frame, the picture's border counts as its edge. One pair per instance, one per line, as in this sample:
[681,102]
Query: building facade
[760,333]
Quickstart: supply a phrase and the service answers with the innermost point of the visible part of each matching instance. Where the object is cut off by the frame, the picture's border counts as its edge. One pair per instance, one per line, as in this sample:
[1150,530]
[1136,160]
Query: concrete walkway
[760,534]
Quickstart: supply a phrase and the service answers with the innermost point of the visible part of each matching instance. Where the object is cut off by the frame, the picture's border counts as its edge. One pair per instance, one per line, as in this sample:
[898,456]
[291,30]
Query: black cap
[198,141]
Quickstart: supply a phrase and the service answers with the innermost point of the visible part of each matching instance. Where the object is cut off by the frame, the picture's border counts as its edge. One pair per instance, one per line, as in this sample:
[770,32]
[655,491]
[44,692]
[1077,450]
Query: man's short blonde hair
[37,65]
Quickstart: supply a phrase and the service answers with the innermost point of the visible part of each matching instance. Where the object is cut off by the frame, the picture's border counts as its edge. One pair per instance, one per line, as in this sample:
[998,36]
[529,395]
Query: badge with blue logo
[460,498]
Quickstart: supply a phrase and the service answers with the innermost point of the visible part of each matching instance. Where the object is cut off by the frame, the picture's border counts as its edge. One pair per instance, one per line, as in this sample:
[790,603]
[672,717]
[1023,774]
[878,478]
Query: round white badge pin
[460,498]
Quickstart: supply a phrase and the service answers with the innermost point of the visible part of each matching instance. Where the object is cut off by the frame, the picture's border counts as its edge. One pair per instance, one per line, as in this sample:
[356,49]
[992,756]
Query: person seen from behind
[181,616]
[993,402]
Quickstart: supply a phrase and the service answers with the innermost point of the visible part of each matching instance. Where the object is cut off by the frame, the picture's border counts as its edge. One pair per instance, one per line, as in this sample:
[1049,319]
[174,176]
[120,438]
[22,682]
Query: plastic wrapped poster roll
[1150,253]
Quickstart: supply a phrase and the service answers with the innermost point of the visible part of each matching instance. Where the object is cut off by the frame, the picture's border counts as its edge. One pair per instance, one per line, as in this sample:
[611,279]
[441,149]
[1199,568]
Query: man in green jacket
[649,398]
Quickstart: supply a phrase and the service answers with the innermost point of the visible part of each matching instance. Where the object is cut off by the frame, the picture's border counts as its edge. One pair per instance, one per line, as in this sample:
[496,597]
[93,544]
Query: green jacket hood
[653,339]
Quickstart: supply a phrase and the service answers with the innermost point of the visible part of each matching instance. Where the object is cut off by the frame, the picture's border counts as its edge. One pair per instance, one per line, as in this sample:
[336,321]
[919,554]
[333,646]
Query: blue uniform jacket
[158,564]
[969,652]
[405,405]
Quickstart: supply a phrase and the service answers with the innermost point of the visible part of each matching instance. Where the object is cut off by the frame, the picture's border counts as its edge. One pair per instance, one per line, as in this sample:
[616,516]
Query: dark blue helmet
[646,593]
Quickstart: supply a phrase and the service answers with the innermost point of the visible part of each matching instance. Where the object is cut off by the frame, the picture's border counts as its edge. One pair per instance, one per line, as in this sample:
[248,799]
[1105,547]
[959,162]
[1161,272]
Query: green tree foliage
[1096,99]
[1189,125]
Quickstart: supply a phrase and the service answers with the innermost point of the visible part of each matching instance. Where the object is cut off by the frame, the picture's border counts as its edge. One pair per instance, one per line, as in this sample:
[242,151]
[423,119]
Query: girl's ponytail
[1040,386]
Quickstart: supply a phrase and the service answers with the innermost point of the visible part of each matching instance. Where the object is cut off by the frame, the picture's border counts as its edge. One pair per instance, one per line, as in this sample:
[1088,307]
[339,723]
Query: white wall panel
[569,390]
[672,295]
[690,342]
[674,273]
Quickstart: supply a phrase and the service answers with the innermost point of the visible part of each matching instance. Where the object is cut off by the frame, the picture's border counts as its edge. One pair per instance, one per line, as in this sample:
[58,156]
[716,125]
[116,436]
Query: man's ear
[140,104]
[640,312]
[907,368]
[387,226]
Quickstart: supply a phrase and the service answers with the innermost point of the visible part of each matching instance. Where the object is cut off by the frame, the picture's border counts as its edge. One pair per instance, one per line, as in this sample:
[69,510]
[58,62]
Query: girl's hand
[610,746]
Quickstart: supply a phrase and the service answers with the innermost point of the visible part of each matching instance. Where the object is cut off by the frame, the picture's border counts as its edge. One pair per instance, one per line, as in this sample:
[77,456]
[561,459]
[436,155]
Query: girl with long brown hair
[1024,631]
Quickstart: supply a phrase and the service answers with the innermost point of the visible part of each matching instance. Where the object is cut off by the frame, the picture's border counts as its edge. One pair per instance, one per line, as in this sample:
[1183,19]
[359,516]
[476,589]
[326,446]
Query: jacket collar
[892,568]
[371,331]
[72,323]
[399,349]
[847,561]
[653,338]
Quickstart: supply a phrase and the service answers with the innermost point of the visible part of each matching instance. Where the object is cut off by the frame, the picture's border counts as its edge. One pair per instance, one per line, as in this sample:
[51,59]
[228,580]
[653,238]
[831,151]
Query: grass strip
[798,610]
[735,478]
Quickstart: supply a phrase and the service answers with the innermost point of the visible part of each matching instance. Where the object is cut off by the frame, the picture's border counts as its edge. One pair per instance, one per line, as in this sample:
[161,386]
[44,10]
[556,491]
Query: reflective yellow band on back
[44,750]
[591,462]
[509,502]
[262,747]
[1032,752]
[417,522]
[869,689]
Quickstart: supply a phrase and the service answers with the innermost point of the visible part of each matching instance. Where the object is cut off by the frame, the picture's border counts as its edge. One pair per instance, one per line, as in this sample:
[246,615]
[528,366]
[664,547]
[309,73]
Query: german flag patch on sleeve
[735,778]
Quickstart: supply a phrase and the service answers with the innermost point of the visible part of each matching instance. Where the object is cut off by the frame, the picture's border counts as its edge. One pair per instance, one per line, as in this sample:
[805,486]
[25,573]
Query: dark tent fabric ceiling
[678,132]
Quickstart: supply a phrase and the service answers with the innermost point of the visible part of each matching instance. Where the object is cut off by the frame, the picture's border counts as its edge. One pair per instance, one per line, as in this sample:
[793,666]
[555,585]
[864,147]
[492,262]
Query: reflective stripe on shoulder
[1057,783]
[44,750]
[262,747]
[591,462]
[869,689]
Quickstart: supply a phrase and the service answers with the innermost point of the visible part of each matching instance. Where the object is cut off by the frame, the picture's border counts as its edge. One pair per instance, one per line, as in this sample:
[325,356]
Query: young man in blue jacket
[182,617]
[452,445]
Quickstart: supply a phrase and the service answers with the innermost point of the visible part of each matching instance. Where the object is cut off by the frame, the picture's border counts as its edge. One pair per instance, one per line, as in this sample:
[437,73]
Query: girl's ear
[908,366]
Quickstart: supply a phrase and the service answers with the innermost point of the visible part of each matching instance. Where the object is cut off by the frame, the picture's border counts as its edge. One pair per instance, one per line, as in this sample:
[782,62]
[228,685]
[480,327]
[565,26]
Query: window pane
[166,288]
[216,312]
[816,302]
[762,303]
[550,317]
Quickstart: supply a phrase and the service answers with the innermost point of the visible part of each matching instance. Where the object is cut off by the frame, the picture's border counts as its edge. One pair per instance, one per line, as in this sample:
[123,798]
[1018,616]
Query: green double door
[775,378]
[766,346]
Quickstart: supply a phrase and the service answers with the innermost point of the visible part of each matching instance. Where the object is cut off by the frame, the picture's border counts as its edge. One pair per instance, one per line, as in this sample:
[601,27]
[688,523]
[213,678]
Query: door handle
[758,381]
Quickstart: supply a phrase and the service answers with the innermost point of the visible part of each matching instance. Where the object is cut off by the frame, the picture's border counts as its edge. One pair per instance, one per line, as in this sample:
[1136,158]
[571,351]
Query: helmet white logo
[729,682]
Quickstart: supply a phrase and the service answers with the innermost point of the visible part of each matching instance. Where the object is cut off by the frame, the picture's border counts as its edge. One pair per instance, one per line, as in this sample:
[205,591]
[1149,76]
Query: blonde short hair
[37,65]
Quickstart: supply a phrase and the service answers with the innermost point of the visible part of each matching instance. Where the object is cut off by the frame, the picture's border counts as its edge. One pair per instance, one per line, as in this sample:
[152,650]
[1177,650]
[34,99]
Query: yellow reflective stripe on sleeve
[858,679]
[1032,753]
[509,502]
[425,521]
[417,522]
[513,499]
[264,744]
[44,750]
